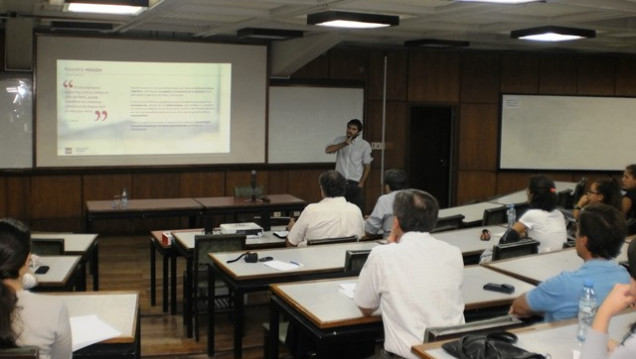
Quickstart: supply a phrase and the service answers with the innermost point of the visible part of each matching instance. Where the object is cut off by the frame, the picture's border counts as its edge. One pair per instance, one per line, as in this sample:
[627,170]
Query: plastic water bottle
[124,198]
[511,214]
[587,309]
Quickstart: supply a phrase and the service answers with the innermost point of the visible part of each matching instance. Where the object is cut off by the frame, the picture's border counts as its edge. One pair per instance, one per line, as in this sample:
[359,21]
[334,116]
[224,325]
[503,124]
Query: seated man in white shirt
[381,219]
[404,278]
[332,217]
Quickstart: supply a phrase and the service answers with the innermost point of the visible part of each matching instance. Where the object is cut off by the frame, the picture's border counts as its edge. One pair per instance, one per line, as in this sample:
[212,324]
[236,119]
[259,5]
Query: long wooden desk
[556,339]
[62,274]
[537,268]
[144,208]
[85,245]
[467,240]
[118,309]
[184,246]
[325,261]
[473,213]
[234,205]
[521,196]
[330,318]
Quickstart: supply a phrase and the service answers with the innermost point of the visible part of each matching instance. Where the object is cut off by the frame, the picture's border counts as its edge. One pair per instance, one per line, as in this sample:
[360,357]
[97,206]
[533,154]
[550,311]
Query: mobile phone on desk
[500,287]
[42,270]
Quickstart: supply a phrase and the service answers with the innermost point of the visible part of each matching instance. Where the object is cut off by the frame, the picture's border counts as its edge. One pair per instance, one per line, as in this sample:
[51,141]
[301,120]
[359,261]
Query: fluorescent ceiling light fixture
[503,1]
[552,34]
[352,20]
[267,34]
[113,7]
[436,43]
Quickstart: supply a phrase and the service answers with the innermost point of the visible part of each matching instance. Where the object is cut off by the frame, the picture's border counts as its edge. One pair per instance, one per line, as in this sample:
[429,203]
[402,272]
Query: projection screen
[114,102]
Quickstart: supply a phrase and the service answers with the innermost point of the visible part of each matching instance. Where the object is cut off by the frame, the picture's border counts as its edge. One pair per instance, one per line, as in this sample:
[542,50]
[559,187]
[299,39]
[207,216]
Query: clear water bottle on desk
[511,214]
[124,198]
[587,309]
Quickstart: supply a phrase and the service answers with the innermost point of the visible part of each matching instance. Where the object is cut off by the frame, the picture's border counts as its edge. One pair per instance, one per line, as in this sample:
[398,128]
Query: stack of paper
[89,329]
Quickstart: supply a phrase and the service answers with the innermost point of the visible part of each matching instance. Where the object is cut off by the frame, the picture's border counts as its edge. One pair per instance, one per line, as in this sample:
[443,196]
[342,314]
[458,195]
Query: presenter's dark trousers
[355,194]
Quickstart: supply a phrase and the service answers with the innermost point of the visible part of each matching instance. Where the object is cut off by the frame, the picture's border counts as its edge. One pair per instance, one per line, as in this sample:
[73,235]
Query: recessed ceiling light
[113,7]
[351,20]
[552,34]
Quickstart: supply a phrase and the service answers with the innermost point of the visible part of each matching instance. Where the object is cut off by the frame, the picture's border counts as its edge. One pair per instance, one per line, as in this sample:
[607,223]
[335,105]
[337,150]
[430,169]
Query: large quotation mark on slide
[101,115]
[68,83]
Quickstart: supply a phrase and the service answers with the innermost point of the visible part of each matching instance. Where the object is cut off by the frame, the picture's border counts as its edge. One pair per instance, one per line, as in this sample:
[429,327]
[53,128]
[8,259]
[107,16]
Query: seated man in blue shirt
[381,219]
[599,237]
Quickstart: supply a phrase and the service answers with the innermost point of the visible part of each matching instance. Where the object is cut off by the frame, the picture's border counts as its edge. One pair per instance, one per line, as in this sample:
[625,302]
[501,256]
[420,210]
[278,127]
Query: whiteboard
[567,132]
[16,116]
[304,120]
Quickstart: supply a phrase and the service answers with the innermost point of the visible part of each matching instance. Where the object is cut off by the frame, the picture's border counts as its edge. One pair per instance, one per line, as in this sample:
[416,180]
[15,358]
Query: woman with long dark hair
[622,296]
[606,190]
[28,319]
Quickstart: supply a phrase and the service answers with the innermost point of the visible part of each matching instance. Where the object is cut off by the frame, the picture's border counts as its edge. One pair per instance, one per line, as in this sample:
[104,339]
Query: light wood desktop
[557,339]
[328,316]
[118,309]
[469,242]
[83,244]
[521,196]
[537,268]
[62,273]
[325,261]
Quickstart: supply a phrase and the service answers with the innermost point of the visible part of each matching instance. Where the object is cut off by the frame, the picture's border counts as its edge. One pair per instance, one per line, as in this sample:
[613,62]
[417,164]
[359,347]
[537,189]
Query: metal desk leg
[187,298]
[95,267]
[164,282]
[211,314]
[173,282]
[238,323]
[274,316]
[153,279]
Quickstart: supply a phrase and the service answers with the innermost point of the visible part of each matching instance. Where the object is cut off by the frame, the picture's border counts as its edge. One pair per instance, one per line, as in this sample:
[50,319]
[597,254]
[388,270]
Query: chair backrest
[29,352]
[433,334]
[515,249]
[494,216]
[213,243]
[448,223]
[316,242]
[565,199]
[521,208]
[47,246]
[579,190]
[246,191]
[355,259]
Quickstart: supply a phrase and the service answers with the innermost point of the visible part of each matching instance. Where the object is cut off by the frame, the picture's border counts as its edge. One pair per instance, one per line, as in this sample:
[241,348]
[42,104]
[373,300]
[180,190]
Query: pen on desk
[296,263]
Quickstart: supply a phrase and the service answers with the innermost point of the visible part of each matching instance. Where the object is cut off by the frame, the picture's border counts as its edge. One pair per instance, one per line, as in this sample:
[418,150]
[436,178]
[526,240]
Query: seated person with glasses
[604,190]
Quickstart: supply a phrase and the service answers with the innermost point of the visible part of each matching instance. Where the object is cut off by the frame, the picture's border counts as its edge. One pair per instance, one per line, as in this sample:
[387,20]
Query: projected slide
[142,108]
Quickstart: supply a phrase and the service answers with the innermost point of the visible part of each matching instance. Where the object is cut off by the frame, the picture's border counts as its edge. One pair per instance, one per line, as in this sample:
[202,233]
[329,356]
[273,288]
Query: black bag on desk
[498,345]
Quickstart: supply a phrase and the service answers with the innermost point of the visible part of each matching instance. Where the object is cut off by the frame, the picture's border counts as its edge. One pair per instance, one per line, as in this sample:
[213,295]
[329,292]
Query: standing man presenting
[353,161]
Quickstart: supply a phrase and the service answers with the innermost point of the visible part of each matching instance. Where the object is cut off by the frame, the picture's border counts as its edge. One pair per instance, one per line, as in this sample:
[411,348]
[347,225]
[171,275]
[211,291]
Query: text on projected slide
[142,108]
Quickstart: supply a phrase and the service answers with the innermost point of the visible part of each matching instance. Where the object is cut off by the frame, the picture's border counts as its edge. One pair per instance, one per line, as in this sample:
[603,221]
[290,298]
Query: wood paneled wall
[470,81]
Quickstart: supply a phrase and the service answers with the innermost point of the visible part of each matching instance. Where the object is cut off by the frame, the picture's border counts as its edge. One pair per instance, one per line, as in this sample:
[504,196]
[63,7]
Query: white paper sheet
[89,329]
[282,266]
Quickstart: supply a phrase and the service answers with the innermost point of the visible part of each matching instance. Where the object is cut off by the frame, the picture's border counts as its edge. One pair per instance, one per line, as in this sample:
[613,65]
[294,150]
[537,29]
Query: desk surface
[61,269]
[323,258]
[537,268]
[73,243]
[521,196]
[325,305]
[118,309]
[236,203]
[268,239]
[467,239]
[556,339]
[148,205]
[472,212]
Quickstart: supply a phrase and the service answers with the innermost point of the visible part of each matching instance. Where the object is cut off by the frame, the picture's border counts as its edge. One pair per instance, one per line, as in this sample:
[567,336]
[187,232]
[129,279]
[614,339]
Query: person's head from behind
[542,193]
[354,127]
[600,230]
[395,179]
[414,211]
[606,191]
[15,246]
[629,177]
[332,184]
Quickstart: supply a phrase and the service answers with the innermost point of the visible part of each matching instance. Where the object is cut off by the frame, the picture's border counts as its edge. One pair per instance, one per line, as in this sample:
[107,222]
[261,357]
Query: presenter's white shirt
[417,283]
[350,160]
[333,217]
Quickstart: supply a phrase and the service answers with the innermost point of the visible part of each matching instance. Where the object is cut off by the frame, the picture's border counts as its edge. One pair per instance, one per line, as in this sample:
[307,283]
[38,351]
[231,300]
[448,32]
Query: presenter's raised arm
[338,146]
